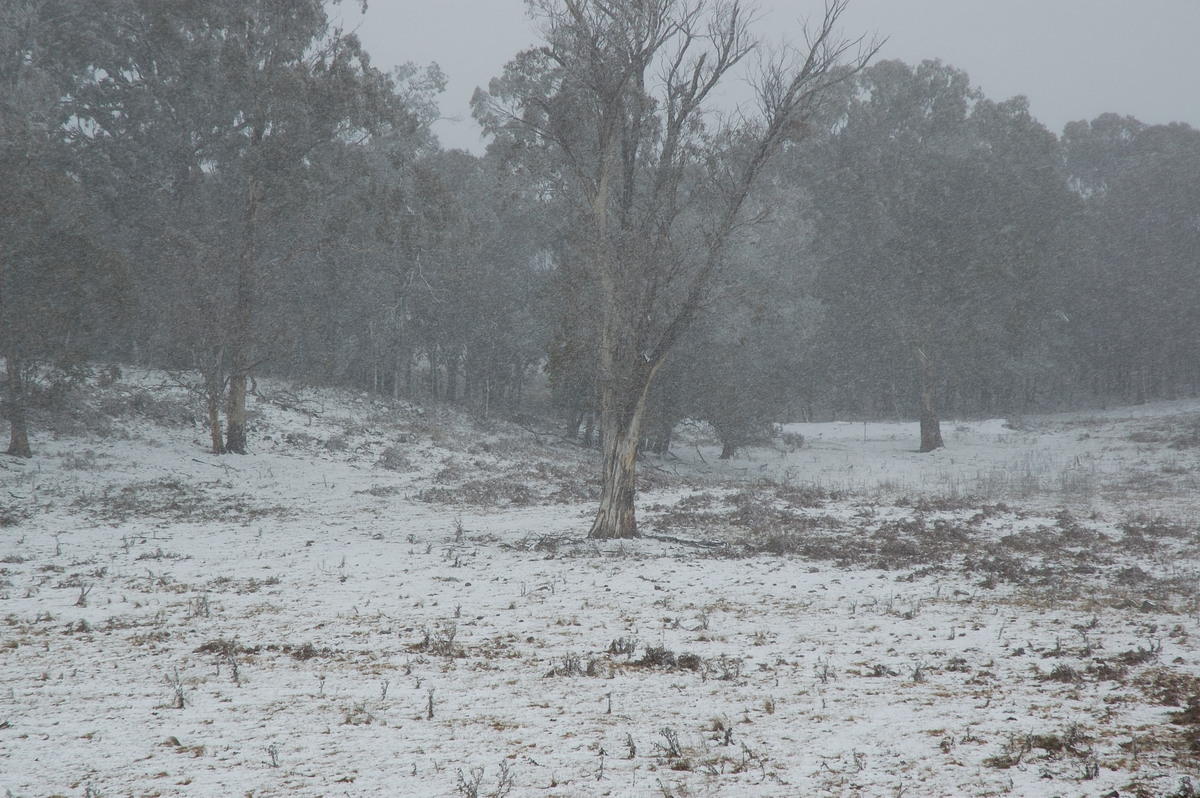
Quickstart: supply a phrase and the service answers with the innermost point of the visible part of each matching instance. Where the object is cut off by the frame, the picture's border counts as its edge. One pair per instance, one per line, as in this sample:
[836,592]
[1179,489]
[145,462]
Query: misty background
[1073,59]
[233,191]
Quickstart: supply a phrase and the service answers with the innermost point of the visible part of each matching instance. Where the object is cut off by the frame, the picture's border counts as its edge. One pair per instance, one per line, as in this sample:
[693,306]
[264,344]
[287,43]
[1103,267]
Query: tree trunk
[212,372]
[589,429]
[235,428]
[235,433]
[18,440]
[214,422]
[625,384]
[931,428]
[621,431]
[433,375]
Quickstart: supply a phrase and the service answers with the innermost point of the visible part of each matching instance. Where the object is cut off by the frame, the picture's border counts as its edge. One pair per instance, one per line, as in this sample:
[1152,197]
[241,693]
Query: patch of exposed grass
[172,499]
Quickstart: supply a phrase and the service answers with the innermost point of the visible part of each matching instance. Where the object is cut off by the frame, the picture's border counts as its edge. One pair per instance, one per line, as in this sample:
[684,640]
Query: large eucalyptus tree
[936,216]
[1137,250]
[620,111]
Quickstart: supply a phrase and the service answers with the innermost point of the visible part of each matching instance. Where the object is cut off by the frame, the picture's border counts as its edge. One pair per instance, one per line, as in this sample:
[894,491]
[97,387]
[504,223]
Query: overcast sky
[1074,59]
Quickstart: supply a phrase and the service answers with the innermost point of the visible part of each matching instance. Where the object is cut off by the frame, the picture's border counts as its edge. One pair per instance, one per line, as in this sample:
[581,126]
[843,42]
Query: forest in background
[231,189]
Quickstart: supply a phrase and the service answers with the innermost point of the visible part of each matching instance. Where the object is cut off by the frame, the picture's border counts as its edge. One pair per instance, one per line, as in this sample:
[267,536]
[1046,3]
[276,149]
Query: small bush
[392,458]
[623,646]
[574,665]
[306,652]
[658,657]
[1065,674]
[493,492]
[791,440]
[13,514]
[1189,438]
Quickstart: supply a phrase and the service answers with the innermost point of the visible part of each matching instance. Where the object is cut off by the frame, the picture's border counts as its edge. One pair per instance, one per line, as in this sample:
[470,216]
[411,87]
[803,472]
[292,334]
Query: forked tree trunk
[625,384]
[18,437]
[931,428]
[616,517]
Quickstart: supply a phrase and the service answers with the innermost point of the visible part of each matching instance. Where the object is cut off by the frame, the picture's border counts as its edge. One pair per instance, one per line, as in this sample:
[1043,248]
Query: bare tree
[620,108]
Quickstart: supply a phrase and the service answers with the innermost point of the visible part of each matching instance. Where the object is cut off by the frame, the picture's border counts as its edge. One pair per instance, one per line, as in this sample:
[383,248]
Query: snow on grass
[385,600]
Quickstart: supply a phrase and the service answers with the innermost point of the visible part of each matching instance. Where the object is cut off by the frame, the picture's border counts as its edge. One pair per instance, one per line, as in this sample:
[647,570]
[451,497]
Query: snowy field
[382,600]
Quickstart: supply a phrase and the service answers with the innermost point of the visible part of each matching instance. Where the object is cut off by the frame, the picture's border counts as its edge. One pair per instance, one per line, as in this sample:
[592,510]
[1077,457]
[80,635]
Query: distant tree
[722,377]
[935,217]
[618,110]
[483,256]
[744,368]
[1130,294]
[56,281]
[227,112]
[350,320]
[572,357]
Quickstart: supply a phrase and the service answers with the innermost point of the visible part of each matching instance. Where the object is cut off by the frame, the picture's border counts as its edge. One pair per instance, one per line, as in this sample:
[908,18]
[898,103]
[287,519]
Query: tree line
[227,189]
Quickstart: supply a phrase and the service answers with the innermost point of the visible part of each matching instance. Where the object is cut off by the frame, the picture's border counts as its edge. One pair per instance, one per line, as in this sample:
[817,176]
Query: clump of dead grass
[173,499]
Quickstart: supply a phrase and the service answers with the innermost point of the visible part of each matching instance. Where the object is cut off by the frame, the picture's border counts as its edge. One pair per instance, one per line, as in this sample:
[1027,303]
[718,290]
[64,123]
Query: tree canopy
[227,189]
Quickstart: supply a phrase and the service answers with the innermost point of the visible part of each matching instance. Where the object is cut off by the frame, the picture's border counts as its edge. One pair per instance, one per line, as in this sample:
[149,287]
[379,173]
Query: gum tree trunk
[622,412]
[235,428]
[616,516]
[18,440]
[214,422]
[235,432]
[625,379]
[931,428]
[212,371]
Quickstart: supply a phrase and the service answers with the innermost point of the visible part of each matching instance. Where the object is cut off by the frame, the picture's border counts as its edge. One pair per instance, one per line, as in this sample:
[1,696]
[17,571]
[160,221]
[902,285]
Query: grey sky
[1074,59]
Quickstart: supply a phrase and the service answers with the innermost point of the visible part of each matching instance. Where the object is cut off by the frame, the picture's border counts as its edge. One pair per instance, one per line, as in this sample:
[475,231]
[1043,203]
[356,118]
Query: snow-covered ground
[385,600]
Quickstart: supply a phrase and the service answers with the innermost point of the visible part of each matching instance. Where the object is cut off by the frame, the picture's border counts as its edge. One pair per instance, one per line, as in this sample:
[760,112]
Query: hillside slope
[391,600]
